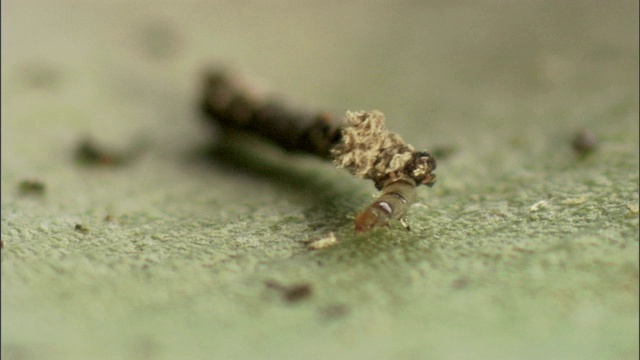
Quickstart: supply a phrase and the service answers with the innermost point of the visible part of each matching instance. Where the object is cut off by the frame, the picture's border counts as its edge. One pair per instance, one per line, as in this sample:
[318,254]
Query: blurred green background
[195,248]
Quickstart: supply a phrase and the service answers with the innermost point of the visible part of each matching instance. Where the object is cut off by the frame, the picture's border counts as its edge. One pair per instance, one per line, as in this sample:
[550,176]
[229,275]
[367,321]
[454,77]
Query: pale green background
[521,250]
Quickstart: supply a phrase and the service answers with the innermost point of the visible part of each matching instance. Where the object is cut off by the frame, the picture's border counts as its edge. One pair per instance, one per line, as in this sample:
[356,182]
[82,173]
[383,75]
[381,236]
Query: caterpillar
[359,143]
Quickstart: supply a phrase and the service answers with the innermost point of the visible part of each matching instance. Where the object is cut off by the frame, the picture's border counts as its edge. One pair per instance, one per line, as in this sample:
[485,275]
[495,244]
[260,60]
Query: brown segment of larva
[397,196]
[236,106]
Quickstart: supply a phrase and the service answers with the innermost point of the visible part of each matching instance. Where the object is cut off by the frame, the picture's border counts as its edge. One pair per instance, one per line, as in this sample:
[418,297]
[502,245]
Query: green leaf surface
[195,247]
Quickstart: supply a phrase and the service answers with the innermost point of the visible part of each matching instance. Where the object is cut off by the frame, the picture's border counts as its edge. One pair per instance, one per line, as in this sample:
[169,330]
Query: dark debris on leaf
[31,187]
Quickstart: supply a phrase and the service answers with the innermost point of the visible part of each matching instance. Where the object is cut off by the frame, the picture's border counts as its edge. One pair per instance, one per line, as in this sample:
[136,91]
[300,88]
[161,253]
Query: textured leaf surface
[523,249]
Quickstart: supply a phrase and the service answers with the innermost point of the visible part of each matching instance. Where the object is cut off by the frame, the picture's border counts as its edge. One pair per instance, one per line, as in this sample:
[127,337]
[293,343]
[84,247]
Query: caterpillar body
[361,143]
